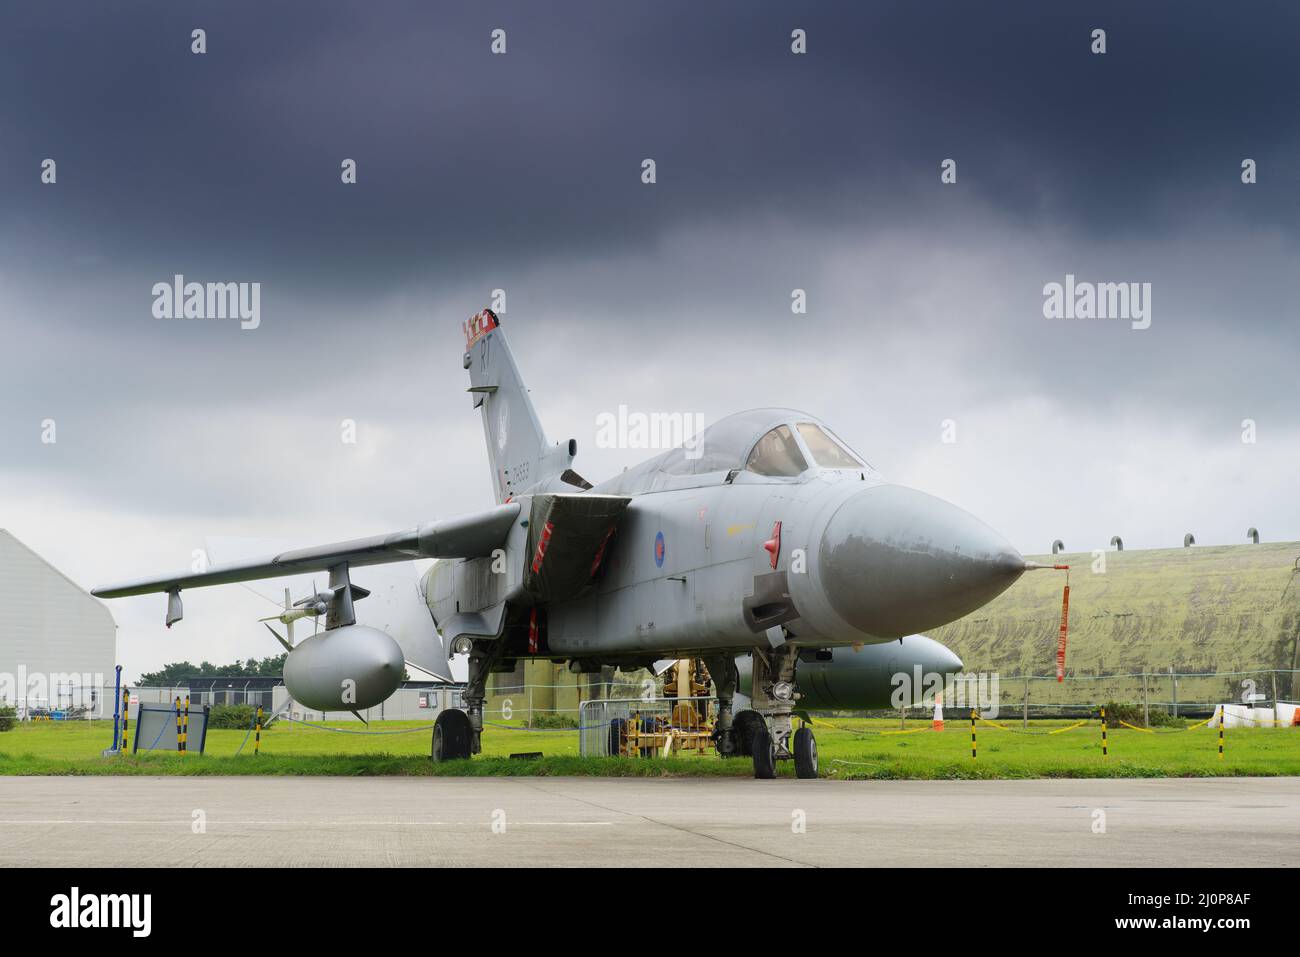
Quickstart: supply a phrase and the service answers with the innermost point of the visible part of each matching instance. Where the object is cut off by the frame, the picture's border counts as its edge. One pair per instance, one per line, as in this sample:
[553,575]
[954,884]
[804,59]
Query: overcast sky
[523,171]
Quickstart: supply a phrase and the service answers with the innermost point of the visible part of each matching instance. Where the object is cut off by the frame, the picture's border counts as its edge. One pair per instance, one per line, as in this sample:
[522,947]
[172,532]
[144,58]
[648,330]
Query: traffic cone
[937,723]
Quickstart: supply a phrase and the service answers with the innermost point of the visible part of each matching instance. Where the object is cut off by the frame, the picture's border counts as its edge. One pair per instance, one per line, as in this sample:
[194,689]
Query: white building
[58,645]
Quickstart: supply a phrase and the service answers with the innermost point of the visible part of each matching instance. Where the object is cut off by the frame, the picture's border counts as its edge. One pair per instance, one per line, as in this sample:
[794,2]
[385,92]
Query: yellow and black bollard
[180,730]
[257,738]
[1221,710]
[1104,752]
[972,734]
[185,728]
[126,718]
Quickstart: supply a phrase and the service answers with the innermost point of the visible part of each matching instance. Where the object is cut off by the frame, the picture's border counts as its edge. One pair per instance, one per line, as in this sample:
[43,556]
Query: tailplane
[521,458]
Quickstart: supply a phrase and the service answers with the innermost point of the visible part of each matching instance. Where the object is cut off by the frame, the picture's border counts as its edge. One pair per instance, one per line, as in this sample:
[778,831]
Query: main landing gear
[452,736]
[458,734]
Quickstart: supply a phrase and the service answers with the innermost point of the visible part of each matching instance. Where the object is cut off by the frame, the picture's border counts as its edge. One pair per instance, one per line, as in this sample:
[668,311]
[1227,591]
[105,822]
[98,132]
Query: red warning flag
[1065,630]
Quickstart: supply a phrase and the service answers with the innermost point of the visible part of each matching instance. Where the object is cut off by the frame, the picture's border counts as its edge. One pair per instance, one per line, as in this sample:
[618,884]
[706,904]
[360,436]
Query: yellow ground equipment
[681,721]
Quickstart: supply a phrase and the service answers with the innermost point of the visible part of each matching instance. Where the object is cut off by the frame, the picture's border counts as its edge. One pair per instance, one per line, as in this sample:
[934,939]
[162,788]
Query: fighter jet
[765,536]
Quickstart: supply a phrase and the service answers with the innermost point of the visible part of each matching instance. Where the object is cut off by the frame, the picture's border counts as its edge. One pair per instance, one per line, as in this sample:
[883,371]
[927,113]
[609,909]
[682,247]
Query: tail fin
[521,458]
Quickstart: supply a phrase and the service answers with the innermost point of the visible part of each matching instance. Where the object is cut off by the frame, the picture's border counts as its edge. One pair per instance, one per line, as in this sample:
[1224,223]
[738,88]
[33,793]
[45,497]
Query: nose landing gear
[770,730]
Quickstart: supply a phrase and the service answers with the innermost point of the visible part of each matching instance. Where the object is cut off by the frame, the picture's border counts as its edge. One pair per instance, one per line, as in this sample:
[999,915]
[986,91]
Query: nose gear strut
[774,698]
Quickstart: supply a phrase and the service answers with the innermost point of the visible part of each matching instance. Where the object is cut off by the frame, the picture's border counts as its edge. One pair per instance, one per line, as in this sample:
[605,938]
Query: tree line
[178,671]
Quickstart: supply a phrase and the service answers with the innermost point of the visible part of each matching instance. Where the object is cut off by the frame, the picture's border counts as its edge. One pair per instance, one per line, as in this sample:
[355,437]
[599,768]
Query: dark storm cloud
[230,161]
[522,171]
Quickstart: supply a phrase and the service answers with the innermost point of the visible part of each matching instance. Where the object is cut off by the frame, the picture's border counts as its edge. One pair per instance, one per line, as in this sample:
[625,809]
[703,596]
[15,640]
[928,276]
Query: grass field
[849,748]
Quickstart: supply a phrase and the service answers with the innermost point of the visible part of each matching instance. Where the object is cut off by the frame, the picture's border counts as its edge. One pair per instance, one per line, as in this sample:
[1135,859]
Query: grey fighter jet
[765,537]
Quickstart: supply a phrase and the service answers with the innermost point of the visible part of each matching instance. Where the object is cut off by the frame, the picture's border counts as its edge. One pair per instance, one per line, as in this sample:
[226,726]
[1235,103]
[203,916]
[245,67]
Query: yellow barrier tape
[836,727]
[912,731]
[1004,727]
[1190,727]
[1077,724]
[1135,727]
[865,731]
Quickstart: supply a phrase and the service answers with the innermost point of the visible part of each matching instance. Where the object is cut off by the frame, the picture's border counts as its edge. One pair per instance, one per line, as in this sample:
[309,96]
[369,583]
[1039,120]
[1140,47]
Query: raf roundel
[659,550]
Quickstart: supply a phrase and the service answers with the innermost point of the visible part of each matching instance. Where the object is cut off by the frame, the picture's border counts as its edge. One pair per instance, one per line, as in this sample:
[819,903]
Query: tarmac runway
[449,822]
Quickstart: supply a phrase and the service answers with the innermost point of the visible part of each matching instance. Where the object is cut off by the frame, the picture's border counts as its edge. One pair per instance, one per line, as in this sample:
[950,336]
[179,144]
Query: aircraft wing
[468,536]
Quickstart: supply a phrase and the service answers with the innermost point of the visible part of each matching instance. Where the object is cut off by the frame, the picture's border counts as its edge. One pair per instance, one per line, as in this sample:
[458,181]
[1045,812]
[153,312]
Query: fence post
[117,707]
[1024,717]
[1173,690]
[1222,708]
[1146,703]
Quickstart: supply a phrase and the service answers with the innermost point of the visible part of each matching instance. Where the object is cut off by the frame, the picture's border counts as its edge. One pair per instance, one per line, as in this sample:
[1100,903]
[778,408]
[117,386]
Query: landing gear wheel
[805,754]
[743,726]
[763,748]
[452,735]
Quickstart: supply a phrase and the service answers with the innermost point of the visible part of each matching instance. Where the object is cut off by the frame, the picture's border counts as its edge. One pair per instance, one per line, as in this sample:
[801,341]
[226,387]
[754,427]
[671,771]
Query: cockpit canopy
[769,442]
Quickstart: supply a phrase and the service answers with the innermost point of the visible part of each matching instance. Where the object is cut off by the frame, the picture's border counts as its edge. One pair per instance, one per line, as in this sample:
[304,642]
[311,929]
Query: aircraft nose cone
[895,561]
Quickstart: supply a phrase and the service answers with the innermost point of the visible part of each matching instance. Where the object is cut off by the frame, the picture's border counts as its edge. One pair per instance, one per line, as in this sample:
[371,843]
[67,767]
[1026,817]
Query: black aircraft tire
[764,749]
[452,735]
[805,754]
[743,726]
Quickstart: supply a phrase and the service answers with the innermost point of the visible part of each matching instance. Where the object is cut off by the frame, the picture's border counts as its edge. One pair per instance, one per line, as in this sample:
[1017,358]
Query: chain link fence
[558,705]
[1160,694]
